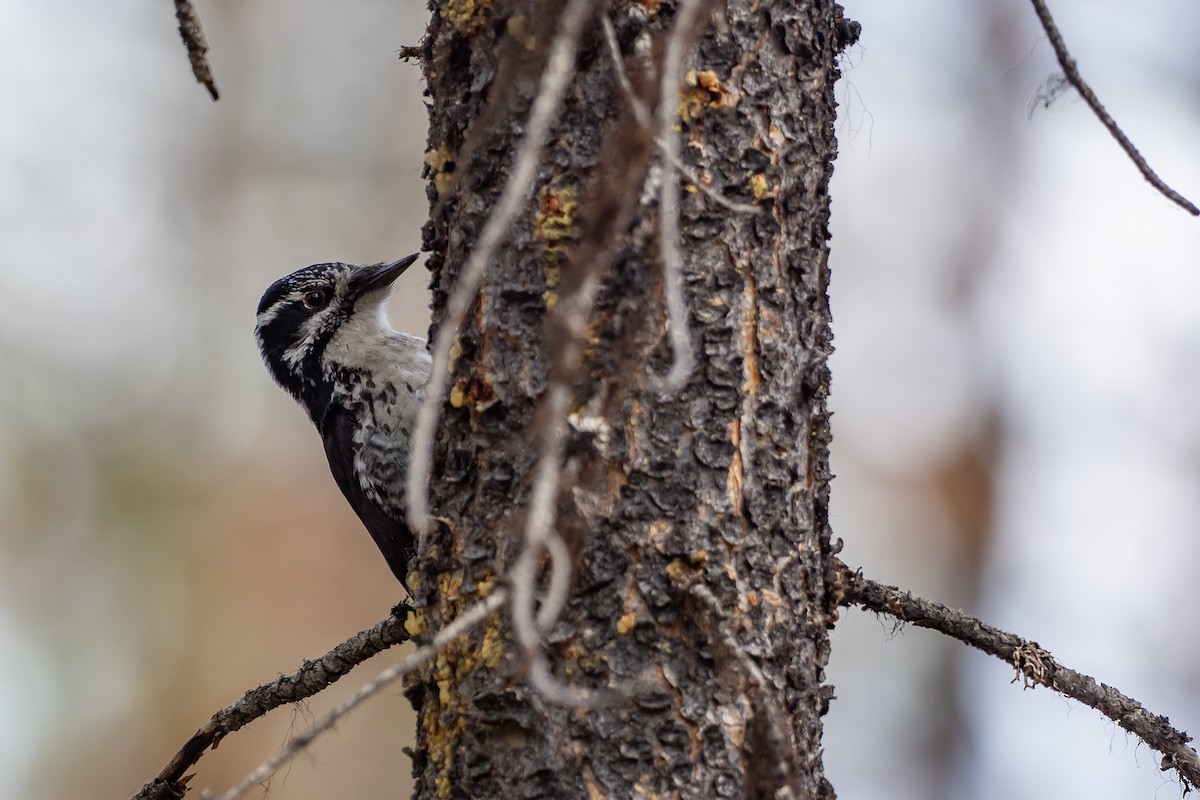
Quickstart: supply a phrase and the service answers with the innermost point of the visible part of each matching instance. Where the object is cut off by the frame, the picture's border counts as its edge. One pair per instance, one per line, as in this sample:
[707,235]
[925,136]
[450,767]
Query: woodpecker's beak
[380,276]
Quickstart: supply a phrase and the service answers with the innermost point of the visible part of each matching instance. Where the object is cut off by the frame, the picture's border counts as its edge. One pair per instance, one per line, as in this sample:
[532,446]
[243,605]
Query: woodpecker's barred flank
[325,338]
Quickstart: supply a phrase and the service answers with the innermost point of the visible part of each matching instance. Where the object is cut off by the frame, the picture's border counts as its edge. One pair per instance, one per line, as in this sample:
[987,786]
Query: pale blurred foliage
[1013,307]
[1017,316]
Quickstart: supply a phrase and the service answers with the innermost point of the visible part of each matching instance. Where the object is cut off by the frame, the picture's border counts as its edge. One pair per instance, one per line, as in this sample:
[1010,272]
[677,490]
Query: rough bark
[698,517]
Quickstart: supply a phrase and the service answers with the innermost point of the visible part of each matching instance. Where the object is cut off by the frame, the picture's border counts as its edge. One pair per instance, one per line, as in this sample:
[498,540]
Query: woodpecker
[324,335]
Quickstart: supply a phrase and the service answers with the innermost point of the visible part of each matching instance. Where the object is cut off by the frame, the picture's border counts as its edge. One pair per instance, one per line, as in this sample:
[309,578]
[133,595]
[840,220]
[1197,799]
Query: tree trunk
[697,517]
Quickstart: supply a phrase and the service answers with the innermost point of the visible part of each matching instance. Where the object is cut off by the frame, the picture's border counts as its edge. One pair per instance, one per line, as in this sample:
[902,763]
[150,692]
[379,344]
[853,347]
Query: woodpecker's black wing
[391,533]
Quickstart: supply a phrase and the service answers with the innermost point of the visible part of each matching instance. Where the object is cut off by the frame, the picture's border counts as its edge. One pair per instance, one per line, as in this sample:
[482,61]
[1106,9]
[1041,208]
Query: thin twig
[541,533]
[560,67]
[540,524]
[1034,665]
[1071,71]
[771,737]
[641,113]
[463,623]
[559,587]
[312,677]
[197,47]
[683,357]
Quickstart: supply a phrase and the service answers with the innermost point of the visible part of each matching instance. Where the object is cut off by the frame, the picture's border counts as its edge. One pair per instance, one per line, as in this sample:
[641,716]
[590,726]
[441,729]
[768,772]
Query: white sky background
[139,223]
[1084,334]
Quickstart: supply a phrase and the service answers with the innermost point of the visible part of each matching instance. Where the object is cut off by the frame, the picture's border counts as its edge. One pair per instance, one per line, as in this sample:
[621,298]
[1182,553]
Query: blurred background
[1016,387]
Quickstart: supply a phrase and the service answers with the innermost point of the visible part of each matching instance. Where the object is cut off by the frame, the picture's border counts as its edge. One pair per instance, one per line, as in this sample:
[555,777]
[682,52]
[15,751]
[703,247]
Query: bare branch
[1034,665]
[774,758]
[1071,71]
[465,622]
[197,48]
[312,677]
[540,526]
[683,357]
[642,114]
[570,316]
[560,67]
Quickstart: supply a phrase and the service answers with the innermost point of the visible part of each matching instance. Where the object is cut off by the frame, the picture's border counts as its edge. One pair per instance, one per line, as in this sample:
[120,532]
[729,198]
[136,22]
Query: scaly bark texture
[698,517]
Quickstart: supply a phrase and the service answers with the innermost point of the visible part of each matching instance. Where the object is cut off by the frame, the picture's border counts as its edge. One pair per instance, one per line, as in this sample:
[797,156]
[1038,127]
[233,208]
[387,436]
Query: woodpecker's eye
[315,299]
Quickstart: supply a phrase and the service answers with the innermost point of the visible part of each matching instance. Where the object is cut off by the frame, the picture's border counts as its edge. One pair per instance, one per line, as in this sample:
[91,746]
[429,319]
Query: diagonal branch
[1033,664]
[1071,72]
[312,677]
[197,48]
[415,660]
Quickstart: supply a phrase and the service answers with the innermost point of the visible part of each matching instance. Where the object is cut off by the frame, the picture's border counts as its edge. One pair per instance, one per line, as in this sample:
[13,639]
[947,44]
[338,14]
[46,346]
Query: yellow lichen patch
[455,352]
[519,28]
[760,188]
[554,222]
[677,570]
[584,658]
[477,394]
[703,90]
[442,735]
[553,273]
[450,593]
[698,558]
[626,622]
[414,623]
[437,157]
[469,16]
[443,676]
[445,720]
[485,584]
[491,647]
[438,160]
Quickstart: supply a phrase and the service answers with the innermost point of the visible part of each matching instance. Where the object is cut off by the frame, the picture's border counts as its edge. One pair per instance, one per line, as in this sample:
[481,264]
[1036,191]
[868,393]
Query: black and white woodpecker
[325,338]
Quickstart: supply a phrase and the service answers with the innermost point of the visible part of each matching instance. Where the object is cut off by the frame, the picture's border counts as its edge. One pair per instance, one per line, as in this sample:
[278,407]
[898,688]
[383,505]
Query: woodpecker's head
[316,319]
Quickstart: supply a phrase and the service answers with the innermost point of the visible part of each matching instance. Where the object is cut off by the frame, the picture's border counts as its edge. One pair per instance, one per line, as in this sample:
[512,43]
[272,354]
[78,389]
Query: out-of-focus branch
[197,48]
[1071,72]
[311,678]
[1034,665]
